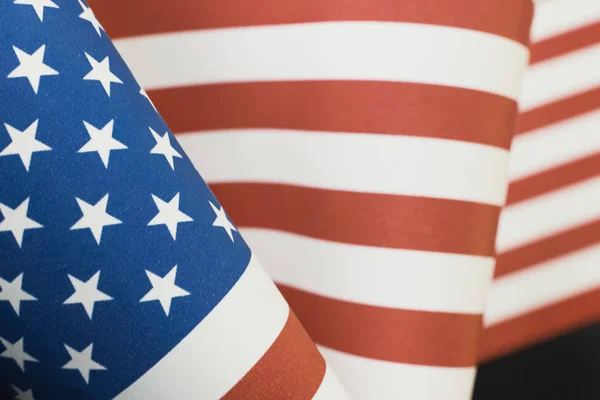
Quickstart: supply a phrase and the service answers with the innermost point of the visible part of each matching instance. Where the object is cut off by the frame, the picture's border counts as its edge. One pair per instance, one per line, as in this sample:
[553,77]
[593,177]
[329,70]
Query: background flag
[542,332]
[121,275]
[547,279]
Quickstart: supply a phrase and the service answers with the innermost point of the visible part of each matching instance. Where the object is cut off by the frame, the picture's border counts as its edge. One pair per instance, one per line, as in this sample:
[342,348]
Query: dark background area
[563,368]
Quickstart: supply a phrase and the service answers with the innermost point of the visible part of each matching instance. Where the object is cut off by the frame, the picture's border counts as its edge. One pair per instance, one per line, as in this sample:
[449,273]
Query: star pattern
[222,221]
[38,6]
[16,352]
[101,72]
[164,289]
[16,220]
[87,293]
[95,217]
[13,293]
[44,132]
[22,394]
[101,141]
[82,361]
[169,214]
[89,16]
[32,67]
[163,147]
[23,143]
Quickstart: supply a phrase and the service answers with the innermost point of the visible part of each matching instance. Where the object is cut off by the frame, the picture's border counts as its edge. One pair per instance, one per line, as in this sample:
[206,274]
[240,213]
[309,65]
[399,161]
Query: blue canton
[112,247]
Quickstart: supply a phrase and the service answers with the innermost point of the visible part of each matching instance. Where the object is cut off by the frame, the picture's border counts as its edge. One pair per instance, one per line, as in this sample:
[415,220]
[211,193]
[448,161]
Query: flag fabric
[121,275]
[369,142]
[543,313]
[361,147]
[547,279]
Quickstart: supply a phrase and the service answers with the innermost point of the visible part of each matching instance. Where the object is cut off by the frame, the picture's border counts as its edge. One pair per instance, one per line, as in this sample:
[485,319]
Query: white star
[16,220]
[22,395]
[16,352]
[163,146]
[83,362]
[223,221]
[13,293]
[38,6]
[101,141]
[95,217]
[101,72]
[89,16]
[169,214]
[23,143]
[32,67]
[143,93]
[87,293]
[164,289]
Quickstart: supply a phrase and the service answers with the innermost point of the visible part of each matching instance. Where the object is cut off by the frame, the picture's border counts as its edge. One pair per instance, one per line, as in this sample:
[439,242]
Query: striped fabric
[362,148]
[547,278]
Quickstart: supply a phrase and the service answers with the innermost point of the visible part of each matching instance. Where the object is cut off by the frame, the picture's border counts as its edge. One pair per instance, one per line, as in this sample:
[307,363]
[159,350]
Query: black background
[563,368]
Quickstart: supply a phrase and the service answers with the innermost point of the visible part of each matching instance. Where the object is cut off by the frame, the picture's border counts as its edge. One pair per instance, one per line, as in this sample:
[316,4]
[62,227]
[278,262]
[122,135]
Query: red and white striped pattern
[547,278]
[362,147]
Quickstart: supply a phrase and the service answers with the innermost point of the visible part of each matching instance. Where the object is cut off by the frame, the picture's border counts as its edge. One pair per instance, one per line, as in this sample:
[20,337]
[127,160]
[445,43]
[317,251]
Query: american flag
[369,141]
[380,234]
[121,275]
[547,279]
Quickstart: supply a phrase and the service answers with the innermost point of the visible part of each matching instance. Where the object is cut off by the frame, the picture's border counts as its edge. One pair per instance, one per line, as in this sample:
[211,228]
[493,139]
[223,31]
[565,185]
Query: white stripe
[542,285]
[331,388]
[549,146]
[404,165]
[560,77]
[222,348]
[553,17]
[369,379]
[397,278]
[548,214]
[329,50]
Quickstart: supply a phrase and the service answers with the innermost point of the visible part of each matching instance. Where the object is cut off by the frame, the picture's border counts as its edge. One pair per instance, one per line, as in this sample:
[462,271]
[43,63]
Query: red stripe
[548,248]
[553,179]
[508,18]
[362,218]
[559,110]
[565,43]
[342,106]
[539,325]
[292,368]
[403,336]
